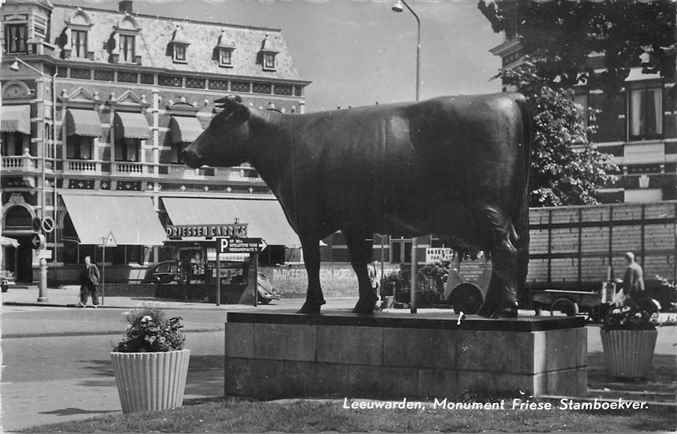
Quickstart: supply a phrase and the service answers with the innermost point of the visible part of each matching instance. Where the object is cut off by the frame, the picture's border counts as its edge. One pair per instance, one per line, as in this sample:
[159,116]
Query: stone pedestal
[391,356]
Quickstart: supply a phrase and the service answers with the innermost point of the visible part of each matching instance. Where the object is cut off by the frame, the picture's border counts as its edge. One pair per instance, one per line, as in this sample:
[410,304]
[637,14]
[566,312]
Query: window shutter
[670,112]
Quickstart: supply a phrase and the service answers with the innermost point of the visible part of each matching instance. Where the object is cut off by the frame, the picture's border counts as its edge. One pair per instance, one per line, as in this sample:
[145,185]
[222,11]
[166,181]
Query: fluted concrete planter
[150,381]
[628,353]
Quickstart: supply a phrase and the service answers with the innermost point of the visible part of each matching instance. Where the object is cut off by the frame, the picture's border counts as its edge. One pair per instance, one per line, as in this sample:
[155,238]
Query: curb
[36,304]
[94,333]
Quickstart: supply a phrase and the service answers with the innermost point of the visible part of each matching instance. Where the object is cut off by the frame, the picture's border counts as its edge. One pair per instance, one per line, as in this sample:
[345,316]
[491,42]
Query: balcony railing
[177,171]
[132,168]
[19,162]
[83,166]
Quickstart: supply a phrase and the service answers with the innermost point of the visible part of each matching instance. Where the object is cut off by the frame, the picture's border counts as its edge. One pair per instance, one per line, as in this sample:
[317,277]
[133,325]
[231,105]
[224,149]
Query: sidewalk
[69,295]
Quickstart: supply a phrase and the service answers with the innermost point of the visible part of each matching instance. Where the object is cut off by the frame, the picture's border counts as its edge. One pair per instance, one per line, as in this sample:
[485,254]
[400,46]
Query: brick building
[96,106]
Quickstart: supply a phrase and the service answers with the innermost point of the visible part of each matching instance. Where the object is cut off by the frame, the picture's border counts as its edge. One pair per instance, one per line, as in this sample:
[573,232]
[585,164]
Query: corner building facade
[96,108]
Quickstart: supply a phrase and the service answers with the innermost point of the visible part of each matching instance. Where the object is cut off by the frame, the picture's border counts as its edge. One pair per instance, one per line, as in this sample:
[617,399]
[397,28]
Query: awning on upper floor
[83,123]
[131,125]
[131,219]
[184,129]
[15,119]
[264,217]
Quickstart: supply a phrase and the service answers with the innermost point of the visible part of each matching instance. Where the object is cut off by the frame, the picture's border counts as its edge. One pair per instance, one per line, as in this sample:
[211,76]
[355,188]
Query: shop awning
[8,242]
[131,125]
[264,217]
[83,123]
[15,119]
[132,220]
[184,129]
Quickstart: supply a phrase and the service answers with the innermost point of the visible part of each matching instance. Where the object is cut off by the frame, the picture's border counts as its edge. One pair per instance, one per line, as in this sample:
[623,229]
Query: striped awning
[264,217]
[83,123]
[184,129]
[131,125]
[15,119]
[132,220]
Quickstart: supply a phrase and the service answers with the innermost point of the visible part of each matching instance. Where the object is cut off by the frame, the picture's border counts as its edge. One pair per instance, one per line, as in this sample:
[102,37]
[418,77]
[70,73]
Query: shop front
[187,269]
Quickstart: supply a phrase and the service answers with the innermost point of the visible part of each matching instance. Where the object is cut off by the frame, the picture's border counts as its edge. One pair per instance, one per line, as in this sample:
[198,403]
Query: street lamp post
[42,295]
[399,6]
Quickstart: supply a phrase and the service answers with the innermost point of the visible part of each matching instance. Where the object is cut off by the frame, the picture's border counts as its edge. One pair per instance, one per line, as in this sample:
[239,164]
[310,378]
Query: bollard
[42,287]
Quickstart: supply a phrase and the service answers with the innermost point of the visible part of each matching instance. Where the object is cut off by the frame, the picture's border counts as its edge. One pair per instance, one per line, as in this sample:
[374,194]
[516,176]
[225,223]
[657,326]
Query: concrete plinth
[391,356]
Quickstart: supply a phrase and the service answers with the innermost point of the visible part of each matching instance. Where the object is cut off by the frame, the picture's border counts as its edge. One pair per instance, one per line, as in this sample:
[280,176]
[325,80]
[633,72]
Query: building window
[179,53]
[127,149]
[268,60]
[127,48]
[79,44]
[225,57]
[16,38]
[14,143]
[646,113]
[400,251]
[79,148]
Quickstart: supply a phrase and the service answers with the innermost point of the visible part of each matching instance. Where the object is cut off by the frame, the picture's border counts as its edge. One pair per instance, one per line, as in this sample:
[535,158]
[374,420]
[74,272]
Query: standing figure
[633,280]
[89,281]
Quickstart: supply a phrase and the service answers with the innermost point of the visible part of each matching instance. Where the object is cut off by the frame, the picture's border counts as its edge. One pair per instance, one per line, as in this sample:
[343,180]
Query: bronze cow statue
[455,166]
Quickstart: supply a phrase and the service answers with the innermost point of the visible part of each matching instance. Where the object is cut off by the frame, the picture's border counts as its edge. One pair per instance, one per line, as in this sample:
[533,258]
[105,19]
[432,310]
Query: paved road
[48,377]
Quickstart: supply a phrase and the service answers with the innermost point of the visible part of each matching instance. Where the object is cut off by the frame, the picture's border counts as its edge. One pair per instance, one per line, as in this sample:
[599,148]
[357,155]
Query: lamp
[14,66]
[398,6]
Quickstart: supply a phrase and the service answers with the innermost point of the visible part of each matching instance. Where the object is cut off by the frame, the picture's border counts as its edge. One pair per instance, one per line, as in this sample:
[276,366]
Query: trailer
[575,254]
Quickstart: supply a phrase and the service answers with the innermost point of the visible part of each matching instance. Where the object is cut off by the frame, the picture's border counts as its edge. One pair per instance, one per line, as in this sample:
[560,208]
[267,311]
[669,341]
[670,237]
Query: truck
[576,253]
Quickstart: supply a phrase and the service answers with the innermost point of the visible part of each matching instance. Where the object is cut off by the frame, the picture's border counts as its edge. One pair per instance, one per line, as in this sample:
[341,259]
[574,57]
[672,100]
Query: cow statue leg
[360,248]
[311,258]
[501,298]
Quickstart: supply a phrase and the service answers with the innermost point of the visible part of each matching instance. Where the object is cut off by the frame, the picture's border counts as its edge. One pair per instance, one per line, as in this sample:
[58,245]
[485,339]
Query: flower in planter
[149,331]
[633,315]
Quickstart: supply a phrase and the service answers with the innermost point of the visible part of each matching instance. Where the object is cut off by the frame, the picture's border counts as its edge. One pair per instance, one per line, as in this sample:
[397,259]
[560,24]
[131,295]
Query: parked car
[168,272]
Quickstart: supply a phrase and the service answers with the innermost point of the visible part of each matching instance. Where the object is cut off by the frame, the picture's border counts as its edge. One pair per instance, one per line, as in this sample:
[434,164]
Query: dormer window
[269,61]
[127,48]
[179,46]
[223,52]
[268,52]
[79,45]
[179,53]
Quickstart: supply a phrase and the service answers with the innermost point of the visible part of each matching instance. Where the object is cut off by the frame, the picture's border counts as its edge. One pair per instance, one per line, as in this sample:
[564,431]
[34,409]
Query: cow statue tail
[522,215]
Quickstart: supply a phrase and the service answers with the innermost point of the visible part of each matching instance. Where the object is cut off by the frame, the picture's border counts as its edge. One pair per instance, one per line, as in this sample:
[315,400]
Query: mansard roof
[156,34]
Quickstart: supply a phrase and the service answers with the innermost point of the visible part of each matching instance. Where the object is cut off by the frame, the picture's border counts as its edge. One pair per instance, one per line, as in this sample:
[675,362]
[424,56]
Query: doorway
[24,263]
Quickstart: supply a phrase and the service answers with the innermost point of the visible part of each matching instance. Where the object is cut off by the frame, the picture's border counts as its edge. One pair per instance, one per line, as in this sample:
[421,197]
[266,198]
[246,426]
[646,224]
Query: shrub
[149,331]
[632,316]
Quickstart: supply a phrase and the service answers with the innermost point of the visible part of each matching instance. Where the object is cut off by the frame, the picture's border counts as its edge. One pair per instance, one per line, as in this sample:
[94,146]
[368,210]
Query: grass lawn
[235,415]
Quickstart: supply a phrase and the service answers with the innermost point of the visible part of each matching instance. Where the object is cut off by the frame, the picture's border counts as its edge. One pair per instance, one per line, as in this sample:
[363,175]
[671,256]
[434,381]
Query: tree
[565,167]
[570,43]
[590,42]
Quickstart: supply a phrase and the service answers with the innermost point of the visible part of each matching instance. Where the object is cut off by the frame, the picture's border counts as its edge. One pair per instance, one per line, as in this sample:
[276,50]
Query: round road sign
[48,224]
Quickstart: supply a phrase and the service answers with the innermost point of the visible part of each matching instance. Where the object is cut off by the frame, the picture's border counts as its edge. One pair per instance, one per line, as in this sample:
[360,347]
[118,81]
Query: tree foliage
[565,168]
[570,43]
[562,36]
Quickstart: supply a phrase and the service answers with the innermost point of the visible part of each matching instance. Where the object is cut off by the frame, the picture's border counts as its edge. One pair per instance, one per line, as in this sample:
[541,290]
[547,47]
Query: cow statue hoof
[365,307]
[311,308]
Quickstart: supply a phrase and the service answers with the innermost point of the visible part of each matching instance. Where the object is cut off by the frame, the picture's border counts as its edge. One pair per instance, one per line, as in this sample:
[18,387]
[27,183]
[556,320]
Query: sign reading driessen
[437,254]
[240,245]
[179,232]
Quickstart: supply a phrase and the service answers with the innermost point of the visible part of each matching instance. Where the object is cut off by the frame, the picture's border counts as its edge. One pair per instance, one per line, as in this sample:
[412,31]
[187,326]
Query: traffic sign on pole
[240,245]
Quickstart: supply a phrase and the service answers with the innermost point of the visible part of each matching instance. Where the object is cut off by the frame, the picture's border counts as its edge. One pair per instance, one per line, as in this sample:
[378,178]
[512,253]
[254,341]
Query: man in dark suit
[633,280]
[89,281]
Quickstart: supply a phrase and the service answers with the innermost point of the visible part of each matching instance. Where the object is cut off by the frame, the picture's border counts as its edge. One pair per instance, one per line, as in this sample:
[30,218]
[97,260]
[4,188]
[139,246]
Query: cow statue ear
[241,112]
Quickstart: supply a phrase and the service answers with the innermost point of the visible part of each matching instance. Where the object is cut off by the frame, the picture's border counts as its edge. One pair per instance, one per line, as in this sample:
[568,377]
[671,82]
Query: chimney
[126,6]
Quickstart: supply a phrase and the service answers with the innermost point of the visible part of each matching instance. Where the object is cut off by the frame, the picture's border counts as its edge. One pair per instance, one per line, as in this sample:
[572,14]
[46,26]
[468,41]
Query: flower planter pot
[628,353]
[150,381]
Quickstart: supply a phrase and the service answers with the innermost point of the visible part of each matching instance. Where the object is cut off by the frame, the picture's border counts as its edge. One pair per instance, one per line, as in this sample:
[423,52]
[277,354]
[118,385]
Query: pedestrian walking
[89,282]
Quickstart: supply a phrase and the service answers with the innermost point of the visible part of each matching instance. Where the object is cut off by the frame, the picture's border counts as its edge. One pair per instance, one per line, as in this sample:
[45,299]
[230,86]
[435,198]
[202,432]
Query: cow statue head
[224,142]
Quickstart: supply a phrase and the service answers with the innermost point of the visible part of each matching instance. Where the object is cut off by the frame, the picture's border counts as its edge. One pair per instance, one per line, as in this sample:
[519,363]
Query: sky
[358,52]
